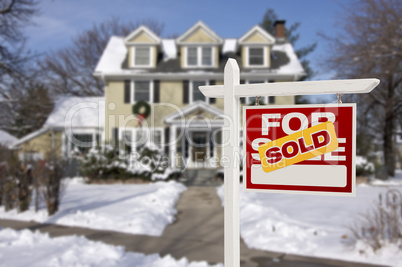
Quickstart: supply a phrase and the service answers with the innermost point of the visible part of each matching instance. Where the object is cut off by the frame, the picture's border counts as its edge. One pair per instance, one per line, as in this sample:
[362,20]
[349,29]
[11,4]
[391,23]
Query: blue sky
[60,20]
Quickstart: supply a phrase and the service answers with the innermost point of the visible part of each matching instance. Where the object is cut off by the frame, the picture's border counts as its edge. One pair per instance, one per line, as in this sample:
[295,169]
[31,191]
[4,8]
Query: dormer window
[256,57]
[199,56]
[142,56]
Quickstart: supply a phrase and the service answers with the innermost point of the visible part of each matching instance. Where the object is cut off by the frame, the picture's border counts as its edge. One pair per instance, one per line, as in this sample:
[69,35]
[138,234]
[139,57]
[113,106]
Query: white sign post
[231,91]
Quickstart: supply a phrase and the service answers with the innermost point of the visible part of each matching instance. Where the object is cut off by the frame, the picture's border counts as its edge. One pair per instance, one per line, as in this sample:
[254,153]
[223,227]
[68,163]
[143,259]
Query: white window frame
[151,90]
[133,131]
[199,57]
[265,56]
[66,140]
[191,90]
[151,59]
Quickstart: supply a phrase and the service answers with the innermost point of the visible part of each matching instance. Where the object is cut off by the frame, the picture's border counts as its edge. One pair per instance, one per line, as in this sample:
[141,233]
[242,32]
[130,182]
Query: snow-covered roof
[7,139]
[169,49]
[293,66]
[196,105]
[229,46]
[113,56]
[77,112]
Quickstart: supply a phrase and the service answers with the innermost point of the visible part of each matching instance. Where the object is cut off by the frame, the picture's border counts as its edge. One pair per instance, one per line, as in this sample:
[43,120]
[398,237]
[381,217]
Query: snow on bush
[26,248]
[363,167]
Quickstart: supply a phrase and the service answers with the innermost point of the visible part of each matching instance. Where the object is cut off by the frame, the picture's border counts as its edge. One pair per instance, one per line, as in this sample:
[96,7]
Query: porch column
[172,146]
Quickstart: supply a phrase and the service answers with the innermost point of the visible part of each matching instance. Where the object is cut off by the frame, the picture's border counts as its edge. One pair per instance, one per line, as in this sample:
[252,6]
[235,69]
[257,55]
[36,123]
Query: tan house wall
[256,38]
[42,144]
[199,36]
[142,38]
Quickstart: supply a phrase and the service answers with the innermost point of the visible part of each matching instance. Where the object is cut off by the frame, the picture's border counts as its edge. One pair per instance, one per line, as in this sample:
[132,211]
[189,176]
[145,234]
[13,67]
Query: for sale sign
[300,149]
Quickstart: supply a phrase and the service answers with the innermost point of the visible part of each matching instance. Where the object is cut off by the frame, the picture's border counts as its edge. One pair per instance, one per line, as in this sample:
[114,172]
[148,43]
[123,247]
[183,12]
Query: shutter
[185,92]
[127,91]
[167,140]
[156,91]
[212,100]
[115,138]
[211,145]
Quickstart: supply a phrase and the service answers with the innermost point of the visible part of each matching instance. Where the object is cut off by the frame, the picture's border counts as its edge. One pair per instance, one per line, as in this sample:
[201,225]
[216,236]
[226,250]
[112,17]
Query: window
[142,56]
[197,95]
[142,91]
[136,139]
[81,143]
[192,59]
[207,56]
[200,56]
[256,56]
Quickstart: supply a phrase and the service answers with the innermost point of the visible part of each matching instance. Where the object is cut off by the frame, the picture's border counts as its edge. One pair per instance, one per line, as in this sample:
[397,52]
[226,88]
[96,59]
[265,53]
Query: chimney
[280,29]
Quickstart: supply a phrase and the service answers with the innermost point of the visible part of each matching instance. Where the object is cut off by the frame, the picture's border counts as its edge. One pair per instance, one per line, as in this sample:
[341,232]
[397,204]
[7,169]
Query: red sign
[331,173]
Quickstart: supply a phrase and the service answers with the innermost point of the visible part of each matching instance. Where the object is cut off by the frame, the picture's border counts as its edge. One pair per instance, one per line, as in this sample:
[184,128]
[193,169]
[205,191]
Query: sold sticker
[302,145]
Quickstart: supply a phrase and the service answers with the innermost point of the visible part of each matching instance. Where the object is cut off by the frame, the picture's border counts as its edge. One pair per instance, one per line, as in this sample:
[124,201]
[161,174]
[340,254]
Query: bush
[363,167]
[382,224]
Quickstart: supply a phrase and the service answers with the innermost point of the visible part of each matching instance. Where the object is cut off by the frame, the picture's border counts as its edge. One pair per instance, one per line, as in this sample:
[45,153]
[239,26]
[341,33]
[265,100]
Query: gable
[201,114]
[257,35]
[142,35]
[199,36]
[142,38]
[199,33]
[256,38]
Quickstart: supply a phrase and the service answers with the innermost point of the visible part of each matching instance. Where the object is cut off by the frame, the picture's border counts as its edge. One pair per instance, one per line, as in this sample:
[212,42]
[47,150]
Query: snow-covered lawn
[310,225]
[137,209]
[26,248]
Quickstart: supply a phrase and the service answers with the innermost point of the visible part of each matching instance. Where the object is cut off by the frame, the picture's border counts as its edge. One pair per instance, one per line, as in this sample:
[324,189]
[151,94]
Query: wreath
[142,109]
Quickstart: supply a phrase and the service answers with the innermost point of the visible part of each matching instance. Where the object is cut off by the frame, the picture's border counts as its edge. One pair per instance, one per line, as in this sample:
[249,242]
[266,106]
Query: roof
[7,139]
[195,27]
[77,112]
[114,60]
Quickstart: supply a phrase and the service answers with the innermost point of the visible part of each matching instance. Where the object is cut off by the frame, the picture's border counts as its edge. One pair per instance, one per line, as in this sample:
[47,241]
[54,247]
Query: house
[152,96]
[75,125]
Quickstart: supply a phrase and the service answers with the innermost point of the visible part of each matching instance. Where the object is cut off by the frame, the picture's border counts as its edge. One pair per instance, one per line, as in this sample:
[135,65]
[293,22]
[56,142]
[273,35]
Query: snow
[169,49]
[7,139]
[131,208]
[26,248]
[113,56]
[84,112]
[229,46]
[309,225]
[294,66]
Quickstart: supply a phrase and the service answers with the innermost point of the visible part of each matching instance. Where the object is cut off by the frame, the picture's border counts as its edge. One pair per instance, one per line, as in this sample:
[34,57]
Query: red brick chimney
[280,29]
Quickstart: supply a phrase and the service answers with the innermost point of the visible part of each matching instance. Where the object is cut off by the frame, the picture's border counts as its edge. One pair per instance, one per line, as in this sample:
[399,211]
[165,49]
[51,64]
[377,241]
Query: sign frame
[351,181]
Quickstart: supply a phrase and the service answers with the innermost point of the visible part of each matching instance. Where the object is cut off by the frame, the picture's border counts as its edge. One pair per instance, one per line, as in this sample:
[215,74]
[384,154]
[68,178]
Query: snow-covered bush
[363,167]
[149,163]
[381,225]
[103,163]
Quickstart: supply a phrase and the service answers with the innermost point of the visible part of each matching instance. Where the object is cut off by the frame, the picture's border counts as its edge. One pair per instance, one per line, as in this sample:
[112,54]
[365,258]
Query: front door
[199,147]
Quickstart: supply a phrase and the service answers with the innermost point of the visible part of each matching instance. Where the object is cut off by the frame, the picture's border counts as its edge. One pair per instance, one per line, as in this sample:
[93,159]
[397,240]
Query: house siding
[42,144]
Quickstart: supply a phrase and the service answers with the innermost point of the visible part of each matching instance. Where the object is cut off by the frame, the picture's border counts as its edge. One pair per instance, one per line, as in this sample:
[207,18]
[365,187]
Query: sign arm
[353,86]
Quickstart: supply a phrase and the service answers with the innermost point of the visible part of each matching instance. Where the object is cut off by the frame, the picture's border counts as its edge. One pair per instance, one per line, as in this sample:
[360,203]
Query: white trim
[265,57]
[199,56]
[29,137]
[151,56]
[269,37]
[203,26]
[188,109]
[264,98]
[138,31]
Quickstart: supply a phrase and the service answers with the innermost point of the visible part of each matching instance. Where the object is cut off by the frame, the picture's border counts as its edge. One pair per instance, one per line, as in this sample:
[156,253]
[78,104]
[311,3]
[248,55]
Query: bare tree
[369,45]
[69,70]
